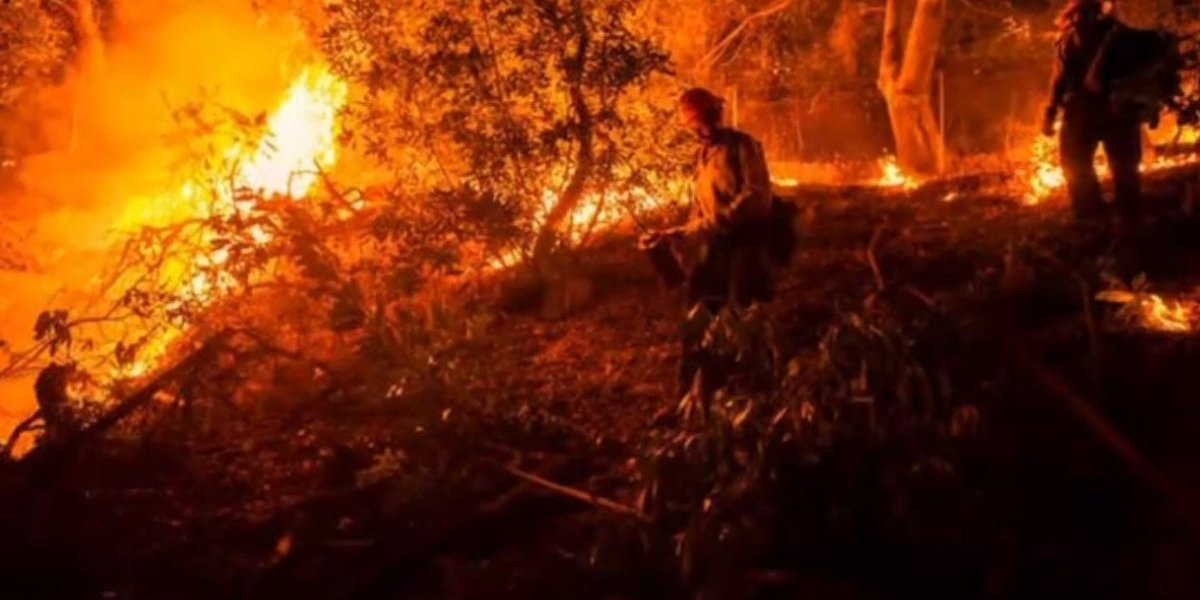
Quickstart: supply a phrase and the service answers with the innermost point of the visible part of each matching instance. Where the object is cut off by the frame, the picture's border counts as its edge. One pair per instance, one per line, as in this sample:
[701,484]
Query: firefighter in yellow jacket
[736,233]
[731,210]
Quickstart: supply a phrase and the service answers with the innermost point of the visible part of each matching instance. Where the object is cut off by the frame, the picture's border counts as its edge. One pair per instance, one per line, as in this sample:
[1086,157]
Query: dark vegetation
[949,414]
[954,396]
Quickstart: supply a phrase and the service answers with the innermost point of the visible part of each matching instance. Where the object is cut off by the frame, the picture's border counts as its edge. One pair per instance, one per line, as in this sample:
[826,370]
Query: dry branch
[582,496]
[51,453]
[19,431]
[880,283]
[706,63]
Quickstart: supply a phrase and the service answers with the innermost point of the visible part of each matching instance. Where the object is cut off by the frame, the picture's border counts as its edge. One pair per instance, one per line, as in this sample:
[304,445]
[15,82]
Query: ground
[1048,457]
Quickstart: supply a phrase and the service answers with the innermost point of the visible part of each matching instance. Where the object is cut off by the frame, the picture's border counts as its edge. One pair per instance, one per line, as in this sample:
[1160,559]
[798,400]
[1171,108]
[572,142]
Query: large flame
[300,141]
[302,137]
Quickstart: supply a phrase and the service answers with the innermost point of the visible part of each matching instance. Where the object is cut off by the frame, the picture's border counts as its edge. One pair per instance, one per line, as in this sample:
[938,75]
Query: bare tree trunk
[906,80]
[585,159]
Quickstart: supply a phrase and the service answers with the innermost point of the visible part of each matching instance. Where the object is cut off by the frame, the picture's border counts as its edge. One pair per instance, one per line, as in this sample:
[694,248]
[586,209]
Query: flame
[1158,315]
[302,137]
[599,211]
[894,176]
[1046,176]
[595,212]
[300,140]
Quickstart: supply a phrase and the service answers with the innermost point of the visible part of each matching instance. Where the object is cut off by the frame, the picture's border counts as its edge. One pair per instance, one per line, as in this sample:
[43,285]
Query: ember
[1173,317]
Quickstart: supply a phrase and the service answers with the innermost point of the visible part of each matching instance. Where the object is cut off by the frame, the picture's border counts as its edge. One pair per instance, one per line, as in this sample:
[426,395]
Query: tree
[906,81]
[514,110]
[35,46]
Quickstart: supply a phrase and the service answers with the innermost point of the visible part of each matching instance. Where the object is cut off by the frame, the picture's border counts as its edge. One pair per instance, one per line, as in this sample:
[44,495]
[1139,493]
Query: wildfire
[894,176]
[1159,315]
[1152,312]
[1046,175]
[300,140]
[598,210]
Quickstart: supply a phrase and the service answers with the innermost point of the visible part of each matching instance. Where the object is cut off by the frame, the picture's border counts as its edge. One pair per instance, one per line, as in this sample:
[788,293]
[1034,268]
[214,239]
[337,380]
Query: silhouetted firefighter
[738,230]
[1109,79]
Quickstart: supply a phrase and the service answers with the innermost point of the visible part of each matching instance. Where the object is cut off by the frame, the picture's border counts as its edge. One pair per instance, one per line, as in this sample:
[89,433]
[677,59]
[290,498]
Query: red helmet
[704,102]
[1076,10]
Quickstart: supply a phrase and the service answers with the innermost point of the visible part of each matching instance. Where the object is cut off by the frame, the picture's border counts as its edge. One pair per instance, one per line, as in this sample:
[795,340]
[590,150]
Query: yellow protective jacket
[732,185]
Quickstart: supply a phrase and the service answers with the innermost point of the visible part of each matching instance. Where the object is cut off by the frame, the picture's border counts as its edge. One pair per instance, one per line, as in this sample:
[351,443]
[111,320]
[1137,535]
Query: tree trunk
[906,80]
[585,156]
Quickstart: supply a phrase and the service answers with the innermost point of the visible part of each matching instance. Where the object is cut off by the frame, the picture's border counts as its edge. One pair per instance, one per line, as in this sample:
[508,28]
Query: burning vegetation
[346,299]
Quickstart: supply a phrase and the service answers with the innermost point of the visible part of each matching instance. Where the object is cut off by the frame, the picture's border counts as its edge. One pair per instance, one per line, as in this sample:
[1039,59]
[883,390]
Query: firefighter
[740,232]
[731,212]
[1090,118]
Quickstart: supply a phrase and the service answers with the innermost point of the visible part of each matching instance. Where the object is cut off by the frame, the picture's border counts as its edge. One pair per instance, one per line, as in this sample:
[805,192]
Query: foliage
[36,43]
[510,107]
[343,286]
[760,477]
[812,47]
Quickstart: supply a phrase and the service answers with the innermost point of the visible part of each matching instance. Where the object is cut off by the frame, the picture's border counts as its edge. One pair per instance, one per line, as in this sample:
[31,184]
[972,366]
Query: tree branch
[20,430]
[706,63]
[582,496]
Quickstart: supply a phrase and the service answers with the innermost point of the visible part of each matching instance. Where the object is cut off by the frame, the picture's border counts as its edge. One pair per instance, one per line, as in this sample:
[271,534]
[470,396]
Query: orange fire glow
[1160,315]
[1044,176]
[300,141]
[894,175]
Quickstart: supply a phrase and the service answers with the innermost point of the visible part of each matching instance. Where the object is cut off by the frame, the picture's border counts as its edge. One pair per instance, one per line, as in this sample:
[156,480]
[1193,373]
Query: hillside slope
[955,416]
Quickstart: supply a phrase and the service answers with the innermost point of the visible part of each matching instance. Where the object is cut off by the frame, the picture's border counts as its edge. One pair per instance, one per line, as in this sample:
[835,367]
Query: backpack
[1142,70]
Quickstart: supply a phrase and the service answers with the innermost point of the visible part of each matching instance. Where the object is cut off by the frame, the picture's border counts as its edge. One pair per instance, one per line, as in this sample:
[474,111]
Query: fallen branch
[922,296]
[880,284]
[873,262]
[582,496]
[47,454]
